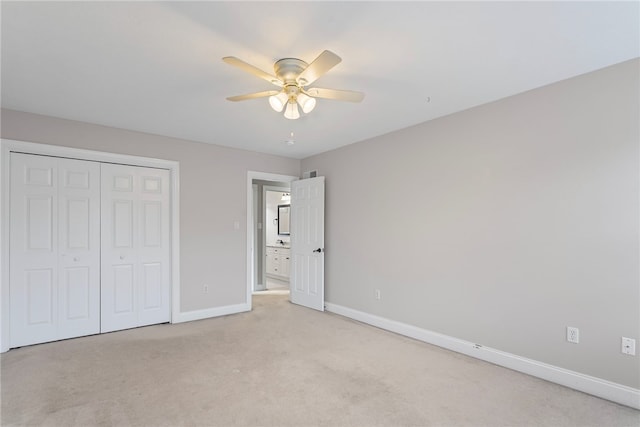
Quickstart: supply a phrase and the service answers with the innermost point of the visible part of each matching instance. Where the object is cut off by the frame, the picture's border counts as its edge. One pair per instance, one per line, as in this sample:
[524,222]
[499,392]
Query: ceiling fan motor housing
[288,70]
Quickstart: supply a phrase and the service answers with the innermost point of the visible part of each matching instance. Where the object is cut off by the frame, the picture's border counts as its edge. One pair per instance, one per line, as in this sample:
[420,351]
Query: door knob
[318,250]
[75,258]
[121,256]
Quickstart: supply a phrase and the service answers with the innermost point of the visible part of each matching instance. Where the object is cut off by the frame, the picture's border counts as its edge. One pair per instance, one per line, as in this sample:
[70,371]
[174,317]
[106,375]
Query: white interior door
[307,243]
[135,247]
[54,252]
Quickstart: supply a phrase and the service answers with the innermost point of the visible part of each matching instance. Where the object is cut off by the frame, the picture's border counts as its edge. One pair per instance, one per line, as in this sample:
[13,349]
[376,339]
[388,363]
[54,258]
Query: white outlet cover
[628,346]
[573,335]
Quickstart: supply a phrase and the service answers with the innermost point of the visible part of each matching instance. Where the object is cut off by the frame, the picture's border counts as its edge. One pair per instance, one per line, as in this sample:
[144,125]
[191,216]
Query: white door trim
[263,176]
[7,146]
[255,264]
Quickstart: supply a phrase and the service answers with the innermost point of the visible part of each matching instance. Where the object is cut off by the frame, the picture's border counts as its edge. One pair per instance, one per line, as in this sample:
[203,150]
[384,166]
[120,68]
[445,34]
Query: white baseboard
[189,316]
[614,392]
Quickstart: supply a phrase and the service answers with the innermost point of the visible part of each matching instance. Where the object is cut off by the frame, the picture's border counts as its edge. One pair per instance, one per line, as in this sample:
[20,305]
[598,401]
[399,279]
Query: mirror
[283,220]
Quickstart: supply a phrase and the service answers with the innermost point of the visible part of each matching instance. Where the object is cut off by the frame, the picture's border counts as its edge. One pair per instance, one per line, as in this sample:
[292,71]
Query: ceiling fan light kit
[306,102]
[278,101]
[293,76]
[292,112]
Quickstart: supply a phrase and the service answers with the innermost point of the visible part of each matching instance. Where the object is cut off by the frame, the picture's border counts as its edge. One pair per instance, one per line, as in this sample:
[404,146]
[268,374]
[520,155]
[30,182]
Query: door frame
[8,146]
[265,189]
[263,176]
[254,212]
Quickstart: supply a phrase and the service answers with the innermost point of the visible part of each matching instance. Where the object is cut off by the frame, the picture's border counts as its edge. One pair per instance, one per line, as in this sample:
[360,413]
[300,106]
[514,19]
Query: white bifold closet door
[54,248]
[89,248]
[135,247]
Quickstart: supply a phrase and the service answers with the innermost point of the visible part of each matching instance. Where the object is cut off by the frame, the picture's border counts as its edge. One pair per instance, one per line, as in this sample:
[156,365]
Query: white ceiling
[156,67]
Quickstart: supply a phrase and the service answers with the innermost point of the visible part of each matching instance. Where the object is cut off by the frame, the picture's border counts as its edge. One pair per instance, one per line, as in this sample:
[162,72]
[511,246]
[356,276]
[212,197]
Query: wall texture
[501,225]
[213,182]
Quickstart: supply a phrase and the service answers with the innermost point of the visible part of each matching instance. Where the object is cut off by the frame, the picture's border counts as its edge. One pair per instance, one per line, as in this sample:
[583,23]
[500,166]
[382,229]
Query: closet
[89,247]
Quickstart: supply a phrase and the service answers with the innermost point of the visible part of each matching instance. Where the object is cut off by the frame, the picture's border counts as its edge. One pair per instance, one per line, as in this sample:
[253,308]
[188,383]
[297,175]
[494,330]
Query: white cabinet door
[277,262]
[285,263]
[272,261]
[54,267]
[307,243]
[135,247]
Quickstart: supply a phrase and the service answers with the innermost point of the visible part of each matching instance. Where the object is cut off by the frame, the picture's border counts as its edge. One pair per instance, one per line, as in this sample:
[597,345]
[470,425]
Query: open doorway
[273,252]
[268,240]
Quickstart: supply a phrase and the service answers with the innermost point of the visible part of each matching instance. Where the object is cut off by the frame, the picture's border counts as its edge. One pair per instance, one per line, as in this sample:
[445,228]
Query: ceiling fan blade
[253,95]
[340,95]
[232,60]
[323,63]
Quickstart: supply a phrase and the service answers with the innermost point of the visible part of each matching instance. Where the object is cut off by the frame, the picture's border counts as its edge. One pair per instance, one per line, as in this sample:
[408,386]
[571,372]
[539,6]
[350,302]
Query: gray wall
[213,195]
[500,225]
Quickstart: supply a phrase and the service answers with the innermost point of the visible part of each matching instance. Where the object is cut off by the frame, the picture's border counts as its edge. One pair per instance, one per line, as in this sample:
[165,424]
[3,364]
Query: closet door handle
[319,250]
[121,257]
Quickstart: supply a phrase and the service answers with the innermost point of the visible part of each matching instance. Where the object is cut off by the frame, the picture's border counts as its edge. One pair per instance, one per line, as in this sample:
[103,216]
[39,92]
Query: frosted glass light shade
[306,102]
[278,101]
[292,112]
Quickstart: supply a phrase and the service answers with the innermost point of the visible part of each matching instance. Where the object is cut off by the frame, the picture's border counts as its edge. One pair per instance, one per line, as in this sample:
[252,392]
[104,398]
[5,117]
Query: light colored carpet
[274,284]
[279,365]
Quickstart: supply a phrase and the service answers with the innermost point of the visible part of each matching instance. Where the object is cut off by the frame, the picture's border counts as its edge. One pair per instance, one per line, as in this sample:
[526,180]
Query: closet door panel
[122,221]
[154,290]
[124,300]
[40,222]
[33,249]
[39,296]
[77,294]
[119,247]
[152,286]
[79,247]
[135,247]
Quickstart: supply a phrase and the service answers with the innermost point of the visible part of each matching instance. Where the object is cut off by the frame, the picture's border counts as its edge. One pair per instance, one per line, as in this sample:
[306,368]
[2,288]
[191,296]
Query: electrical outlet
[378,295]
[628,346]
[205,289]
[573,334]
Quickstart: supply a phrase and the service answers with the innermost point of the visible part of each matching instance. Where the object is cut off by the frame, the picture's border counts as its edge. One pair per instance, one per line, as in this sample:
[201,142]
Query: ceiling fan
[294,76]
